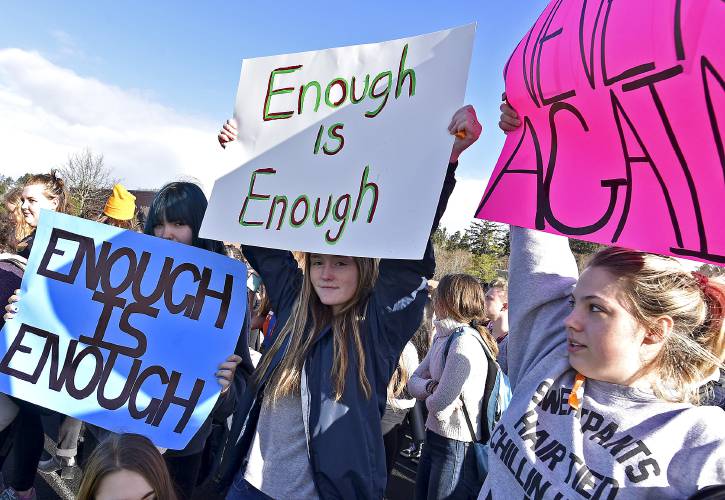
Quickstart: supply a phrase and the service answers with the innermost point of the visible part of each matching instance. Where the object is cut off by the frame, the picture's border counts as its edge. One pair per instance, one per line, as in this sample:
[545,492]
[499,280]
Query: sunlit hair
[19,229]
[421,341]
[308,318]
[129,224]
[129,452]
[423,336]
[656,286]
[182,202]
[460,297]
[53,188]
[501,285]
[399,380]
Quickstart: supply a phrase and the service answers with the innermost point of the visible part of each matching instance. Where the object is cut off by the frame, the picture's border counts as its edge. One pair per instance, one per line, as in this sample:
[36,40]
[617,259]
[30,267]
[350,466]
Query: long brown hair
[15,229]
[460,297]
[656,286]
[399,379]
[309,317]
[127,452]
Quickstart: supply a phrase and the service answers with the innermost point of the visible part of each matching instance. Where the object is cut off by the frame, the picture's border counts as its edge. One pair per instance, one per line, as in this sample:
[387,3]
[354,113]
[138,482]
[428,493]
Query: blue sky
[181,61]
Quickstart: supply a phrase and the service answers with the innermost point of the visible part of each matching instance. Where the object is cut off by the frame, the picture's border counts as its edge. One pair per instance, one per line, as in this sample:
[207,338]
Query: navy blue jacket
[345,441]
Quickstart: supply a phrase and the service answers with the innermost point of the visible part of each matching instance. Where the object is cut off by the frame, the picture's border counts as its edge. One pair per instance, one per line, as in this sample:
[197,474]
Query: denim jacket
[344,438]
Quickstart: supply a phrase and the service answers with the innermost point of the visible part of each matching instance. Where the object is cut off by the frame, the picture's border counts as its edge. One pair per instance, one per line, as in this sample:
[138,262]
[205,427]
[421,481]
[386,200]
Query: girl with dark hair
[176,214]
[310,424]
[126,466]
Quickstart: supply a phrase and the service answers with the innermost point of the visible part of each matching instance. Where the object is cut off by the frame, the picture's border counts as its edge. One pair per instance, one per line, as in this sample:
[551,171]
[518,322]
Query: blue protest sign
[122,330]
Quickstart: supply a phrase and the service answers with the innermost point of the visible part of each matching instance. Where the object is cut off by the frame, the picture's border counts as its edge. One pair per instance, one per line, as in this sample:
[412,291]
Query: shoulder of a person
[13,263]
[469,342]
[706,424]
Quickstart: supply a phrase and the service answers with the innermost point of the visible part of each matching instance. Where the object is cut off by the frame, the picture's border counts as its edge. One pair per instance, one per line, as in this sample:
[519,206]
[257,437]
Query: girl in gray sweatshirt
[605,372]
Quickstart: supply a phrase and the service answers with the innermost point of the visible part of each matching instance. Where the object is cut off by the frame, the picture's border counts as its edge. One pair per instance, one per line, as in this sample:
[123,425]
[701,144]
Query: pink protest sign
[623,111]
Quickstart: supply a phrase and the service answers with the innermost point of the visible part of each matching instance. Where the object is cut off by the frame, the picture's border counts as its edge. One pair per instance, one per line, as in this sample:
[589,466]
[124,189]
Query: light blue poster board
[122,330]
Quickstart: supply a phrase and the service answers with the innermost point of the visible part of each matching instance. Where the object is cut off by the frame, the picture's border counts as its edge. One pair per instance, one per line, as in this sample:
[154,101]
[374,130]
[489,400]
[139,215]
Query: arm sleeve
[410,358]
[460,367]
[420,377]
[402,283]
[280,274]
[542,274]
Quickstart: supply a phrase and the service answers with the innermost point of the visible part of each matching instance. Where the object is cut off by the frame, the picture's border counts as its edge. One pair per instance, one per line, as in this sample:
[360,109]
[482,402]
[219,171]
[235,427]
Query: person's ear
[662,328]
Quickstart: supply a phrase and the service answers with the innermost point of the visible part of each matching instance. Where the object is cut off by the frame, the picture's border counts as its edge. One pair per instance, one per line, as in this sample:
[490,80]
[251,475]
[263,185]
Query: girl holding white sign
[310,425]
[606,368]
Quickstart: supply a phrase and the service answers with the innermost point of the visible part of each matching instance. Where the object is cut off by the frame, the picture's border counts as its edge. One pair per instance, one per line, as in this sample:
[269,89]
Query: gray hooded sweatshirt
[622,443]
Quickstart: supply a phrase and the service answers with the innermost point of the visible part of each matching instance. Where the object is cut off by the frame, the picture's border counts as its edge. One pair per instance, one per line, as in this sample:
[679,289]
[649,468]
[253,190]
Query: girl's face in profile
[174,231]
[604,339]
[124,485]
[33,199]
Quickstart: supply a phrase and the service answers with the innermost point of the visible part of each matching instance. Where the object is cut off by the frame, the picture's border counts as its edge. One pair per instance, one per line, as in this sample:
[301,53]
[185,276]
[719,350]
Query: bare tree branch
[89,183]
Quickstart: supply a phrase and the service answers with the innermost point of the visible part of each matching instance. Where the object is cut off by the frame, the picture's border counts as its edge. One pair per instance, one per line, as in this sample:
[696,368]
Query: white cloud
[462,205]
[48,112]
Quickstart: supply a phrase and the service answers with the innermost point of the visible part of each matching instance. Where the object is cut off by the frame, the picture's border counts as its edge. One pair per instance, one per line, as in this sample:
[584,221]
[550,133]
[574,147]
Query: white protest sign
[344,150]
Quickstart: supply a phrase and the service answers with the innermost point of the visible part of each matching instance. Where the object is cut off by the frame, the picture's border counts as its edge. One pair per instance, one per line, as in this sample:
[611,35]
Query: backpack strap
[491,373]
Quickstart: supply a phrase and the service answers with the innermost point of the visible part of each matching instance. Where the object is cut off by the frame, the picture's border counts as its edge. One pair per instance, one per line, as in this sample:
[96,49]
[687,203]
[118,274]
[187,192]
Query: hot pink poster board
[623,111]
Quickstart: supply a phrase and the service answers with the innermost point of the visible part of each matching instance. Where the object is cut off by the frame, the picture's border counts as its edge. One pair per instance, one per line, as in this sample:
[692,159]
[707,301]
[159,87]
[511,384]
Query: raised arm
[280,274]
[402,283]
[542,275]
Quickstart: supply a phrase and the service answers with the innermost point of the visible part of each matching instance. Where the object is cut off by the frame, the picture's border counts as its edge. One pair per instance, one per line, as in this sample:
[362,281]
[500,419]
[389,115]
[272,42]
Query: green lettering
[403,74]
[384,93]
[277,199]
[303,93]
[366,186]
[339,218]
[251,195]
[342,83]
[280,115]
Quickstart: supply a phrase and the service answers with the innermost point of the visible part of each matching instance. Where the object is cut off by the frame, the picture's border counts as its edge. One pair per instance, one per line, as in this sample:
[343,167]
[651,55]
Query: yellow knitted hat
[121,205]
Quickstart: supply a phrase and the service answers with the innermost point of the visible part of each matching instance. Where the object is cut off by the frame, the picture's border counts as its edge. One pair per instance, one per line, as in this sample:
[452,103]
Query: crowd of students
[614,373]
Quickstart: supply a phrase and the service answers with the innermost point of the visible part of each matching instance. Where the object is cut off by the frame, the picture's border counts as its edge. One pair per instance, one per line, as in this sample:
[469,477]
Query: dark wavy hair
[182,202]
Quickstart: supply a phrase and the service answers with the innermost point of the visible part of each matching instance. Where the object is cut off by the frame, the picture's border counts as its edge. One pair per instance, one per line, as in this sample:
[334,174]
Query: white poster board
[344,150]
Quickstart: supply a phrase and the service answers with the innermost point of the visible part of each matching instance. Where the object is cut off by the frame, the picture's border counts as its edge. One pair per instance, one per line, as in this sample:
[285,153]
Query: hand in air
[225,374]
[509,117]
[12,307]
[467,129]
[228,132]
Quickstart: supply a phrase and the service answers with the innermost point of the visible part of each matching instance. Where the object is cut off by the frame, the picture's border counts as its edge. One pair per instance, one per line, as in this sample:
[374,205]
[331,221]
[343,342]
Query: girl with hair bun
[605,369]
[40,191]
